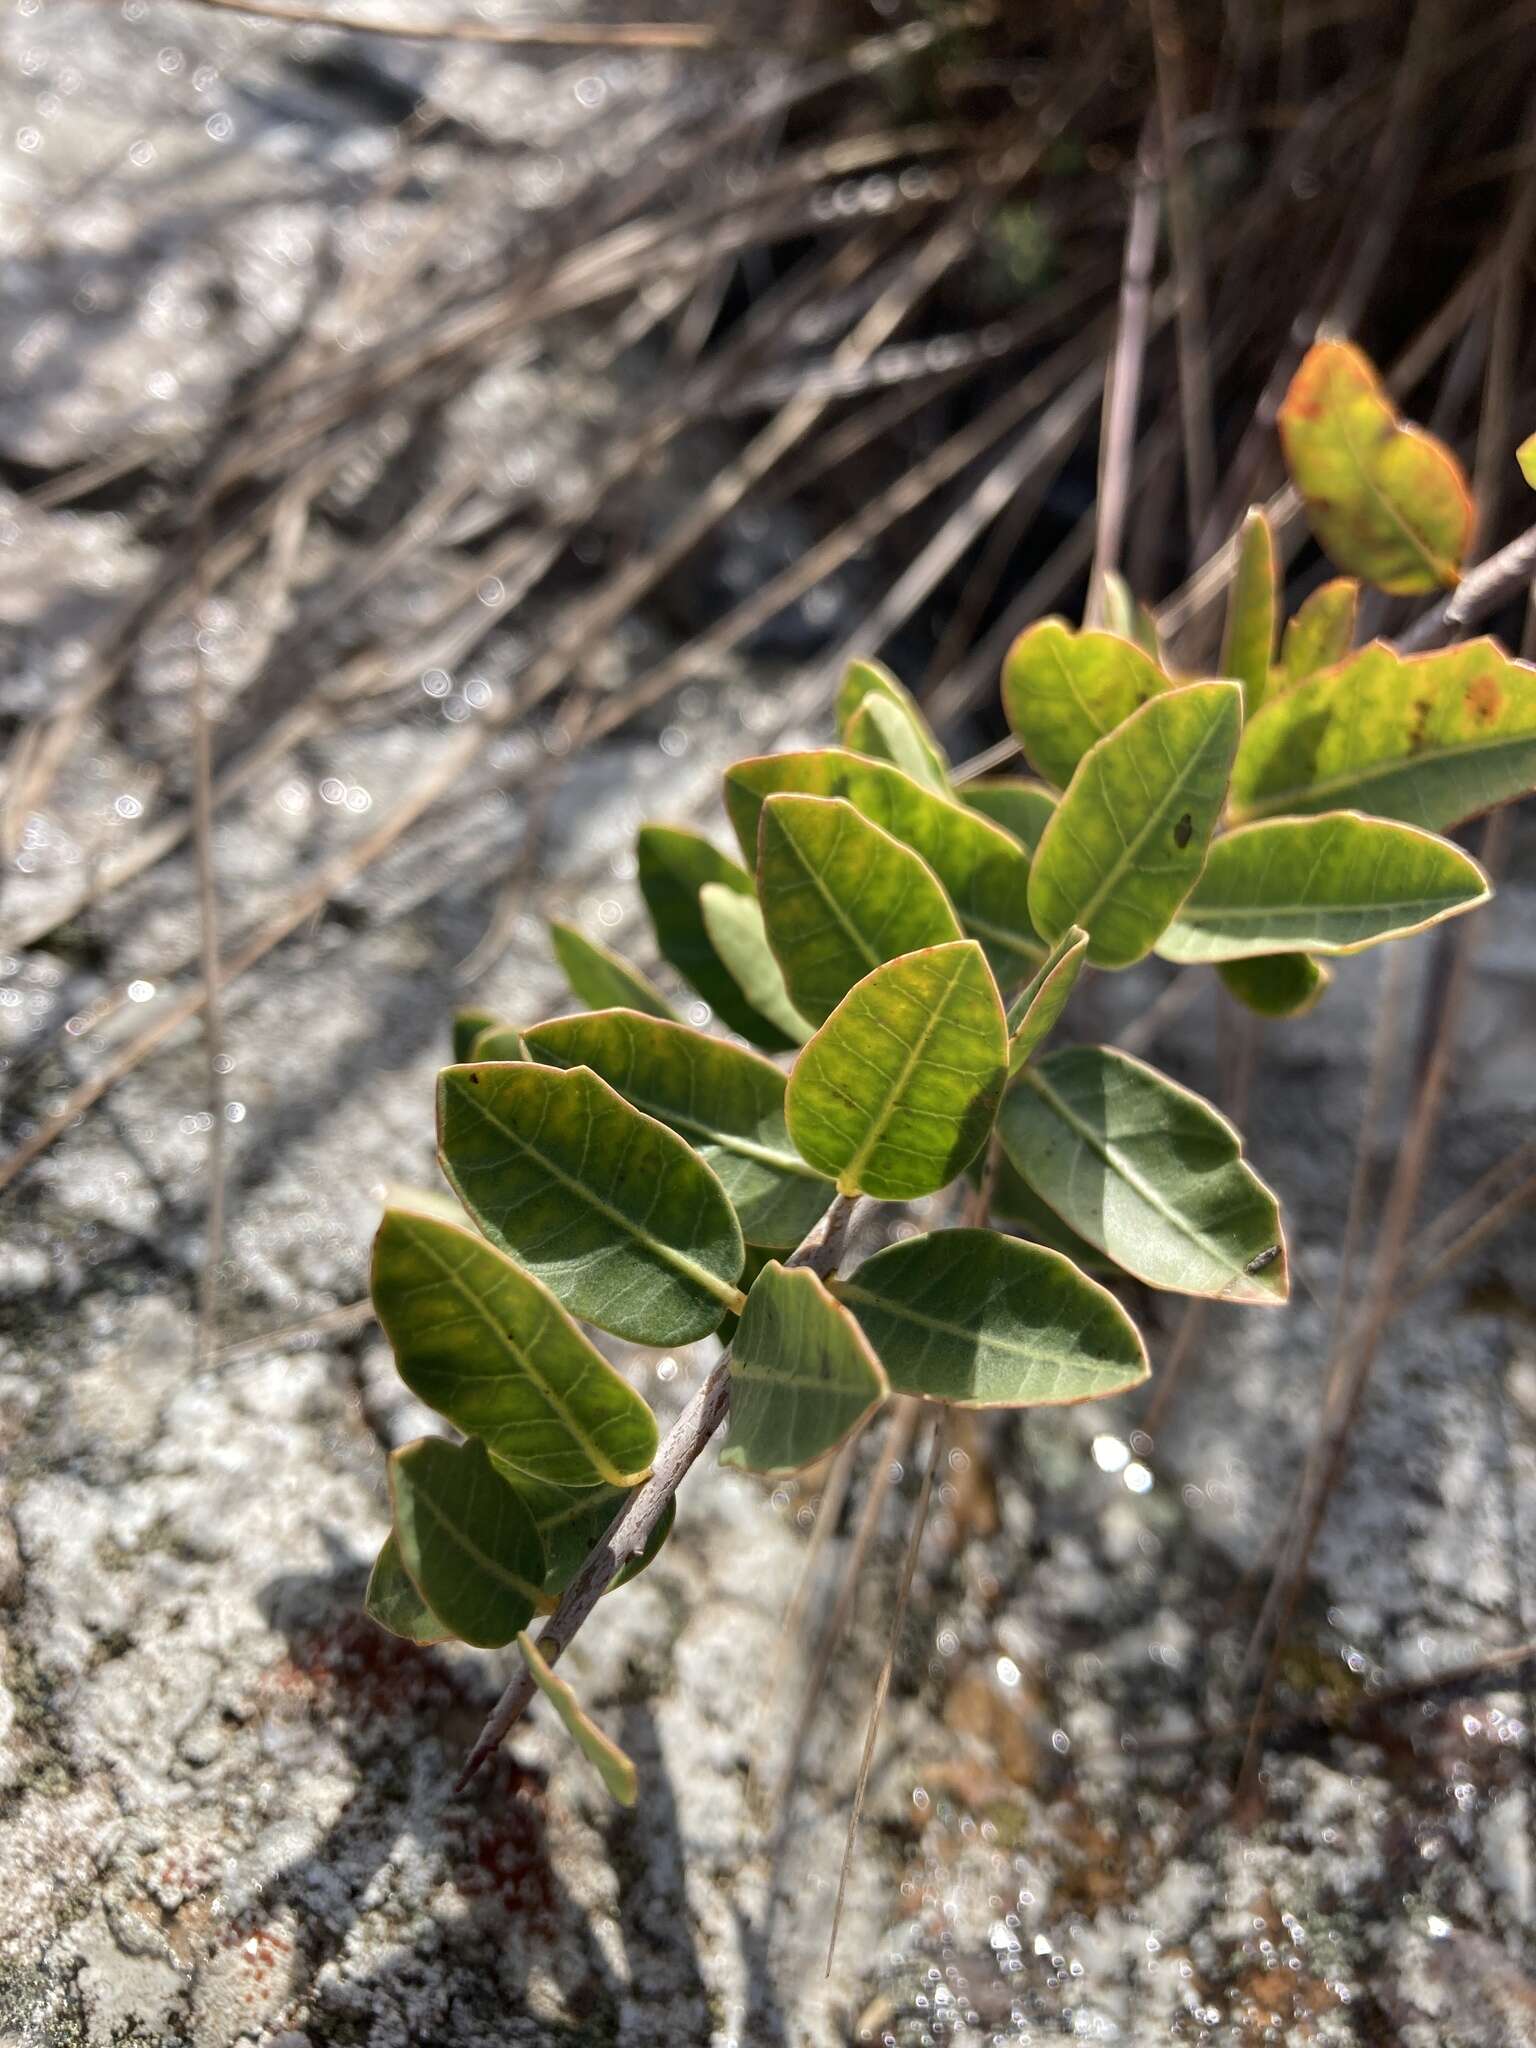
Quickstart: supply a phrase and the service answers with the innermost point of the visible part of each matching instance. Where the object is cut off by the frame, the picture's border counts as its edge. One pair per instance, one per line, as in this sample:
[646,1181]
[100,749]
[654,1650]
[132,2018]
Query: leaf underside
[605,1756]
[674,866]
[466,1540]
[736,931]
[1146,1171]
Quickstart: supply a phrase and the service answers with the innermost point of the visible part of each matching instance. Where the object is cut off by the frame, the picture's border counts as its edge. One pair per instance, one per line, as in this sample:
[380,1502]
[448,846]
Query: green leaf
[869,684]
[1036,1010]
[1321,633]
[1387,501]
[1130,836]
[605,1756]
[839,897]
[674,866]
[985,1321]
[467,1027]
[1332,884]
[1015,1202]
[612,1211]
[897,1091]
[599,978]
[1248,644]
[1427,738]
[497,1042]
[1525,455]
[802,1374]
[483,1343]
[1126,615]
[466,1540]
[1062,691]
[1276,984]
[1146,1171]
[736,930]
[887,732]
[394,1603]
[1022,806]
[983,871]
[727,1102]
[571,1521]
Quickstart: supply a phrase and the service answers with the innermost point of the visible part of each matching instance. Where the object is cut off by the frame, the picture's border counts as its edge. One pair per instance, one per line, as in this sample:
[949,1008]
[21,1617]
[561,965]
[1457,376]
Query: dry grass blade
[556,35]
[1122,392]
[883,1682]
[1191,318]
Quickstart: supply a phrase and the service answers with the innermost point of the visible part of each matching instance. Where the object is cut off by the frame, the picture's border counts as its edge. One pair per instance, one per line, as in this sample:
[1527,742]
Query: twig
[1481,591]
[1122,392]
[636,1521]
[583,35]
[883,1683]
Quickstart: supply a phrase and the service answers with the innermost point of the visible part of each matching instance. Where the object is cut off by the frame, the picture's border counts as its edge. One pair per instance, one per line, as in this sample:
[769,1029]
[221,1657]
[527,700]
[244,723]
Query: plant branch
[637,1519]
[1481,591]
[582,35]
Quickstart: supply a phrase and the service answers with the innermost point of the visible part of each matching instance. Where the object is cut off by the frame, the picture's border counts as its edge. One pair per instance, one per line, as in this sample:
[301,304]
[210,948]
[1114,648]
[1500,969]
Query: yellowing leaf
[1321,633]
[1386,500]
[868,685]
[1525,455]
[1428,738]
[896,1092]
[1130,835]
[607,1759]
[1062,691]
[1248,643]
[839,897]
[802,1374]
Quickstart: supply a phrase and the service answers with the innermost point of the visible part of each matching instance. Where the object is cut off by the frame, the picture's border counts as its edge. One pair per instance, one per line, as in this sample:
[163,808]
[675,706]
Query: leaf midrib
[722,1290]
[1129,849]
[1437,566]
[1113,1159]
[425,1503]
[524,1361]
[909,1064]
[849,1291]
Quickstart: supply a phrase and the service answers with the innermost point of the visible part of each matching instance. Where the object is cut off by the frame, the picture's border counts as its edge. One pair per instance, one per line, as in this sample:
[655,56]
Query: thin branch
[213,1033]
[1192,323]
[1481,591]
[637,1520]
[581,35]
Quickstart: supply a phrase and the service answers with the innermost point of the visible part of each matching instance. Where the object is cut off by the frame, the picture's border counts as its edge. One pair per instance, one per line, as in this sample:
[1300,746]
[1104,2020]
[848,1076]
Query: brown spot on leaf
[1484,698]
[1183,830]
[1418,717]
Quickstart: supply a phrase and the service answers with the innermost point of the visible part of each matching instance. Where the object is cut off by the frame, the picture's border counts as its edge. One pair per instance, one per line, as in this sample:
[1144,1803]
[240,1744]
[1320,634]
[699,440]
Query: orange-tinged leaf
[1386,500]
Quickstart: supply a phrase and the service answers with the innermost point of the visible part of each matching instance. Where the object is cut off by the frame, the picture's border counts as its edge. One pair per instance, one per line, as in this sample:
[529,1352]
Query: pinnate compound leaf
[982,869]
[484,1344]
[1146,1171]
[727,1102]
[497,1042]
[839,897]
[1331,884]
[984,1321]
[615,1769]
[1062,691]
[466,1540]
[571,1521]
[468,1026]
[1036,1010]
[1321,633]
[869,683]
[599,978]
[1130,836]
[674,866]
[1248,643]
[623,1223]
[1427,738]
[887,732]
[898,1089]
[394,1603]
[802,1374]
[1022,806]
[737,933]
[1386,500]
[1276,984]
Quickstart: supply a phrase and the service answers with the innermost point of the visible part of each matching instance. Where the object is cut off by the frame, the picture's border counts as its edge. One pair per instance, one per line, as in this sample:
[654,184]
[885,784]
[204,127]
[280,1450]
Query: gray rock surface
[225,1812]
